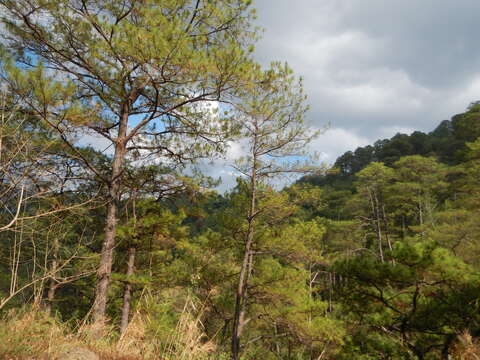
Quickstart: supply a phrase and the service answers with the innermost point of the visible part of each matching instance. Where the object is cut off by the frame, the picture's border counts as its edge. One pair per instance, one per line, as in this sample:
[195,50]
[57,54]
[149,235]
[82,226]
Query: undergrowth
[31,333]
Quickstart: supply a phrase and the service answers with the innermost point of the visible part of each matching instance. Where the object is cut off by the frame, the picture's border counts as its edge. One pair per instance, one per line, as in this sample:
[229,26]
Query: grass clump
[31,333]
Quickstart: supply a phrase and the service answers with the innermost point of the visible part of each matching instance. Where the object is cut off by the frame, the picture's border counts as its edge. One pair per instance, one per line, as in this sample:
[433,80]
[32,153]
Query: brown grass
[32,334]
[466,347]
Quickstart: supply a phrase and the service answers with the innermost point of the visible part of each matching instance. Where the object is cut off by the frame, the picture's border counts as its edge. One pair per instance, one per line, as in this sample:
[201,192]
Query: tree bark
[127,294]
[52,287]
[376,221]
[245,271]
[379,227]
[105,268]
[420,213]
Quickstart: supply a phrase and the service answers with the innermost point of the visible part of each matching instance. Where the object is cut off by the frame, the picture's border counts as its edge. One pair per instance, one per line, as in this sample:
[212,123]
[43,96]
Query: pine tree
[272,113]
[136,73]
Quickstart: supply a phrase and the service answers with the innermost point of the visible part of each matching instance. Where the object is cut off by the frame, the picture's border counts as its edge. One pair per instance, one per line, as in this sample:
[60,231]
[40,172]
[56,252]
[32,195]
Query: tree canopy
[126,249]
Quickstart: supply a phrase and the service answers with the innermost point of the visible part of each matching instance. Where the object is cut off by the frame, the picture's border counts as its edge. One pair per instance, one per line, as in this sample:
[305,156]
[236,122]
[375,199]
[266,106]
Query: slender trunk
[105,267]
[379,227]
[376,222]
[239,320]
[385,224]
[330,291]
[127,294]
[52,287]
[50,295]
[420,213]
[449,339]
[241,295]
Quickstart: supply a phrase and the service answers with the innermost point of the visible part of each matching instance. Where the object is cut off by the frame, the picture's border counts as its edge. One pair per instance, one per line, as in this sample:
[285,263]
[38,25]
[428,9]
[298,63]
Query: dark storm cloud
[434,40]
[375,67]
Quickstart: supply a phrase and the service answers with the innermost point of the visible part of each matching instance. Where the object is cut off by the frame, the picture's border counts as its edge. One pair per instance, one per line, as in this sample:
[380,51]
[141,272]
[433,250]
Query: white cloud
[97,142]
[378,90]
[389,131]
[334,142]
[371,68]
[376,65]
[463,96]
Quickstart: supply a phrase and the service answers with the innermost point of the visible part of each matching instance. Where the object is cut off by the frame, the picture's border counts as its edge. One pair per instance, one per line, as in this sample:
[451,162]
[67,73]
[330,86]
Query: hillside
[125,250]
[446,143]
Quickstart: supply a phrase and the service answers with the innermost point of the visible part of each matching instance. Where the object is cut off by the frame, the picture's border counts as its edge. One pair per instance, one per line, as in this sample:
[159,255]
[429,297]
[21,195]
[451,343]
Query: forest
[114,244]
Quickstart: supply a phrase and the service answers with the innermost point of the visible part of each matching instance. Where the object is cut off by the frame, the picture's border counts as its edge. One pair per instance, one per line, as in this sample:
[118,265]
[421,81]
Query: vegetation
[124,248]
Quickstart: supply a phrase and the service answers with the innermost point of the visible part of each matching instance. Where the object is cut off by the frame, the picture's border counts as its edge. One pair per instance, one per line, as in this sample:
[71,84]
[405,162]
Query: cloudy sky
[373,68]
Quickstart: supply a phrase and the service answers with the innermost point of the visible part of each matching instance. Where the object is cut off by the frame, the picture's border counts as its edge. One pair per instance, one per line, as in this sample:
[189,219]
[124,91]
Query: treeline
[446,143]
[115,248]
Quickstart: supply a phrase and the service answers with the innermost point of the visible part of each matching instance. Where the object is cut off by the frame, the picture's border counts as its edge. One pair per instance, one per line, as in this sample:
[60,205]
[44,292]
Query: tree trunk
[420,213]
[385,223]
[245,271]
[106,260]
[376,221]
[127,294]
[241,296]
[379,227]
[53,268]
[449,339]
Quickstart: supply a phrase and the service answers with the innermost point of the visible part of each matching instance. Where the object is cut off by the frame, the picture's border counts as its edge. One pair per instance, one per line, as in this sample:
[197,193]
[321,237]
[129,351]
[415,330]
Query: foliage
[376,258]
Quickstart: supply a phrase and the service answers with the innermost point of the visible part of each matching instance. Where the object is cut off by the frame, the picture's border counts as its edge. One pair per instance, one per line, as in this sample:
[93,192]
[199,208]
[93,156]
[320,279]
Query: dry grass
[466,347]
[12,334]
[32,334]
[188,341]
